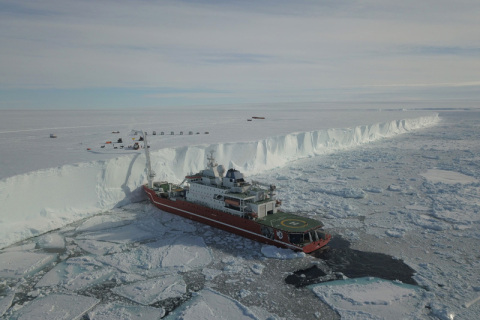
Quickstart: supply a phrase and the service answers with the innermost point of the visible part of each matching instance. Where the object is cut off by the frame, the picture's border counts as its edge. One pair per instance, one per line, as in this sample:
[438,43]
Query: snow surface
[118,260]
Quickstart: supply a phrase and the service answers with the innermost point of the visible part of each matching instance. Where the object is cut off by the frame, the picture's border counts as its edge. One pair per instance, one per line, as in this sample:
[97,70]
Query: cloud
[252,49]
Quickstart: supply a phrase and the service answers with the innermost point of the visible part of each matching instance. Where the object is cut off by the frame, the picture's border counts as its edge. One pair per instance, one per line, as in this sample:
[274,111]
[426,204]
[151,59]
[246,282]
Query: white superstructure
[230,192]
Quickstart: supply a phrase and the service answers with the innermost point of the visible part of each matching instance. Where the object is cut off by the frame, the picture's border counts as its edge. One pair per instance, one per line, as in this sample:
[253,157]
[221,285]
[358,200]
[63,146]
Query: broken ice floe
[181,253]
[56,306]
[211,305]
[394,187]
[21,264]
[153,290]
[373,189]
[372,298]
[447,177]
[106,221]
[100,248]
[395,233]
[427,222]
[441,311]
[280,253]
[355,193]
[6,302]
[257,268]
[123,234]
[51,241]
[120,311]
[76,274]
[211,274]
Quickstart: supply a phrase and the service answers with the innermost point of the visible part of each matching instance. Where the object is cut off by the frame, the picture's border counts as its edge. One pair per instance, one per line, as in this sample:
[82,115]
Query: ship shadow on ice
[340,260]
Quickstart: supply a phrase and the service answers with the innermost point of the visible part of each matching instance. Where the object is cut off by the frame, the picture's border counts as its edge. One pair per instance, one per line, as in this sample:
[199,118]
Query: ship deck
[290,222]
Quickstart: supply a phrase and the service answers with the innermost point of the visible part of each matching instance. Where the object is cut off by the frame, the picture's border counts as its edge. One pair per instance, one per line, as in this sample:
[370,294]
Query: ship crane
[150,172]
[270,187]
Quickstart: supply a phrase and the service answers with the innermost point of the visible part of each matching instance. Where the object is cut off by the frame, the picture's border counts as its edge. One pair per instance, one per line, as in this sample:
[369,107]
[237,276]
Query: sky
[94,54]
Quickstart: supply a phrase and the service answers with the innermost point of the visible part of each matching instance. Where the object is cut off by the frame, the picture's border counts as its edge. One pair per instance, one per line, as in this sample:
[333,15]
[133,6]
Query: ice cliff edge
[40,201]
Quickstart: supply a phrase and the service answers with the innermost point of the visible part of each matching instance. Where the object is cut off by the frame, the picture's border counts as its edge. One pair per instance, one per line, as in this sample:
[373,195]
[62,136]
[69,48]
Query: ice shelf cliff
[43,200]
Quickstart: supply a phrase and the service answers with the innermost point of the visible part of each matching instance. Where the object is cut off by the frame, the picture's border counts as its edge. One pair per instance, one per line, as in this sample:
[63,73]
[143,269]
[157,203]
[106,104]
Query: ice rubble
[58,196]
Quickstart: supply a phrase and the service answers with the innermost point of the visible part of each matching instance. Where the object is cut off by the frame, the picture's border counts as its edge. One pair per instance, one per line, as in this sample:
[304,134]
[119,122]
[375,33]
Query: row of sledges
[172,133]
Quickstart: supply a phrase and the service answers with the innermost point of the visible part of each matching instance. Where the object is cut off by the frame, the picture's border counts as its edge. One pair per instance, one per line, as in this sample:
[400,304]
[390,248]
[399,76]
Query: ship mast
[150,172]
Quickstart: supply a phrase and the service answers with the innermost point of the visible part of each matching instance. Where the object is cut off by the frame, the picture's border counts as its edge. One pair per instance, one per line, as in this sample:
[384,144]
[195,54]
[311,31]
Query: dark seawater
[339,259]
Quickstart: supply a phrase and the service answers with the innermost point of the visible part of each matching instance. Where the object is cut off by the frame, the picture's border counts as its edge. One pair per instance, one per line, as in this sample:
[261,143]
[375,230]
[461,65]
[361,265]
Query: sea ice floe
[23,247]
[124,234]
[280,253]
[6,302]
[76,274]
[180,224]
[174,252]
[371,298]
[447,177]
[427,222]
[211,305]
[355,193]
[51,241]
[106,221]
[153,290]
[211,274]
[395,233]
[373,189]
[456,216]
[394,187]
[417,207]
[243,293]
[441,311]
[56,306]
[119,311]
[233,264]
[100,248]
[20,264]
[257,268]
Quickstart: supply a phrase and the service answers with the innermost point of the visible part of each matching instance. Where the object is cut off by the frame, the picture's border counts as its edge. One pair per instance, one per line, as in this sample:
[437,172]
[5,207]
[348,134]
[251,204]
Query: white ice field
[404,183]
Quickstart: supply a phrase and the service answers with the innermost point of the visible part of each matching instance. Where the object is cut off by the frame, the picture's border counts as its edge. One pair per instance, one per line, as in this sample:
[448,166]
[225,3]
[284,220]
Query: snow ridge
[44,200]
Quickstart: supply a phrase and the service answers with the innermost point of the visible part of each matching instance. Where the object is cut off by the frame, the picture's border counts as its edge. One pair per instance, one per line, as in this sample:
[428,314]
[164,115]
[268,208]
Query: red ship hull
[244,227]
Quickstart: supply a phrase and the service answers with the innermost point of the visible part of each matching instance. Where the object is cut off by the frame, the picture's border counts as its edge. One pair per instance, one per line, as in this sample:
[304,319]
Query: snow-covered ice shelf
[61,195]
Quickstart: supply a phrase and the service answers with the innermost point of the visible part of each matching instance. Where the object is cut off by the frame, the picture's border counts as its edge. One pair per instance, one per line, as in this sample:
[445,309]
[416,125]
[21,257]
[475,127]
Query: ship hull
[244,227]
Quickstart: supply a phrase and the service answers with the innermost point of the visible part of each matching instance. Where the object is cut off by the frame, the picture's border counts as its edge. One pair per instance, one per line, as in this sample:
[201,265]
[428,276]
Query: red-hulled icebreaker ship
[226,201]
